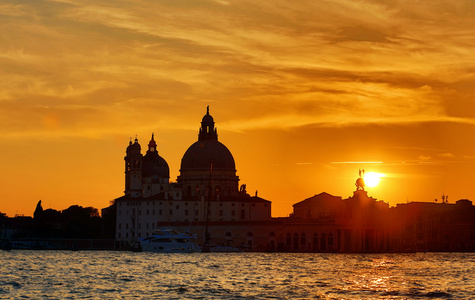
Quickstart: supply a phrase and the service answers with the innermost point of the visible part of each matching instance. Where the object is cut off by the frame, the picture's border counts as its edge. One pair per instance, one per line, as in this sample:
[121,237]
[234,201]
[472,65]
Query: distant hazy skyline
[304,94]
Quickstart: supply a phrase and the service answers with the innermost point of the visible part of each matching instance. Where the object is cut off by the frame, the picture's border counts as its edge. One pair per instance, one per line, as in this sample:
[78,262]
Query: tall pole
[205,247]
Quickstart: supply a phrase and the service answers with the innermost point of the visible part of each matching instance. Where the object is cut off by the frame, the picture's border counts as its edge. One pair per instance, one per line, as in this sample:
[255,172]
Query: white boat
[169,241]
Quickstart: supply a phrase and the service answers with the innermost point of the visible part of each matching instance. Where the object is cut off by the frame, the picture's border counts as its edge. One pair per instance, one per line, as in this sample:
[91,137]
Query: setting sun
[371,179]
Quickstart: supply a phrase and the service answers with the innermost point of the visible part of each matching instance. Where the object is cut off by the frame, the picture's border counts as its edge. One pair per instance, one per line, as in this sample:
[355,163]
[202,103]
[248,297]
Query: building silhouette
[428,226]
[206,193]
[207,200]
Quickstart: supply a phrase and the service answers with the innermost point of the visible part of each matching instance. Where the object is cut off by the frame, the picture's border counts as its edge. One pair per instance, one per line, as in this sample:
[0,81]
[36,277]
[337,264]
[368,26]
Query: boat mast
[205,247]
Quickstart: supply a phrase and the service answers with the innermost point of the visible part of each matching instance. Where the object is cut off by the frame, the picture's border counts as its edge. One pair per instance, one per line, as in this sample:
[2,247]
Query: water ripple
[124,275]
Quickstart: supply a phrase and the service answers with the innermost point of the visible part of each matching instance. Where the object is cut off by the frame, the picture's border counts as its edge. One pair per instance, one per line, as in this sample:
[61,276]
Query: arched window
[315,242]
[296,241]
[243,214]
[323,242]
[288,240]
[330,240]
[303,239]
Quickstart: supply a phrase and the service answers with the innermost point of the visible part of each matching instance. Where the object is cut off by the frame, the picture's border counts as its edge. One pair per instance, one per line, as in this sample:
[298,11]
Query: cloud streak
[333,63]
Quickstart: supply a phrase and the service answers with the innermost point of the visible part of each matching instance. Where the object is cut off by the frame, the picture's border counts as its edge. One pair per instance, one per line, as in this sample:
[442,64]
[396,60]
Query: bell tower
[133,170]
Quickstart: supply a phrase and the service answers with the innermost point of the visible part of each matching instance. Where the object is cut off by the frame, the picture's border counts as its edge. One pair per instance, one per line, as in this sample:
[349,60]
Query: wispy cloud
[332,63]
[357,162]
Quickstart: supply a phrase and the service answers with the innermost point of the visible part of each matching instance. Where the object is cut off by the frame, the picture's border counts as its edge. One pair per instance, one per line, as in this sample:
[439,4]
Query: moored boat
[169,241]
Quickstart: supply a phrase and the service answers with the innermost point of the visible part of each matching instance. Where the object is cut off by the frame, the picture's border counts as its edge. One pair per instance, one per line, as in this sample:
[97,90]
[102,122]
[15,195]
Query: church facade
[206,193]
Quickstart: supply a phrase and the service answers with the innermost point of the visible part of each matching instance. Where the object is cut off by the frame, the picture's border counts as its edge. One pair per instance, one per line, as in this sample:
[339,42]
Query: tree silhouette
[38,211]
[81,222]
[74,222]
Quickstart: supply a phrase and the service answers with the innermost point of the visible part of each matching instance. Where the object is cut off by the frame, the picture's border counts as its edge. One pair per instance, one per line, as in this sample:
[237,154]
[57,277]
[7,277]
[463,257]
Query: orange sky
[304,93]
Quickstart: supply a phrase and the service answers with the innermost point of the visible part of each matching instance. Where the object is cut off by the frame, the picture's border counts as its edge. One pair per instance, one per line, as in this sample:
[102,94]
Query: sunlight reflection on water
[124,275]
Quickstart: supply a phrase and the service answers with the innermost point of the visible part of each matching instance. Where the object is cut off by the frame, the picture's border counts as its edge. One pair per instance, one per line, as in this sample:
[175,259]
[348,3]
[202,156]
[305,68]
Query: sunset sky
[303,93]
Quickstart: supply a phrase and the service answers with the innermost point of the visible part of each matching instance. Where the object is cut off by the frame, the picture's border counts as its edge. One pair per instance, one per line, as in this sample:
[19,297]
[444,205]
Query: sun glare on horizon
[372,179]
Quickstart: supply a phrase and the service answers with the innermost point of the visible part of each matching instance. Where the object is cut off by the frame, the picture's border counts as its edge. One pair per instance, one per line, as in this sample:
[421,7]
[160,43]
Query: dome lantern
[207,130]
[152,145]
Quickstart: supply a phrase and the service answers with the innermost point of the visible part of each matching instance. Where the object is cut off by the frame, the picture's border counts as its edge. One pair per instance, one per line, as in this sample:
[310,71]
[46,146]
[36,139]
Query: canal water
[129,275]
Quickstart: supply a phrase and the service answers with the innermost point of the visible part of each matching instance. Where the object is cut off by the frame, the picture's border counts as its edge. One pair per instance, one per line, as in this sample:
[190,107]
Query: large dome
[201,153]
[207,149]
[196,164]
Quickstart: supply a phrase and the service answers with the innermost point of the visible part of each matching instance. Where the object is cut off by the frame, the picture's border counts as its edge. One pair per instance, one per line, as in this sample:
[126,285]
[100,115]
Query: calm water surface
[126,275]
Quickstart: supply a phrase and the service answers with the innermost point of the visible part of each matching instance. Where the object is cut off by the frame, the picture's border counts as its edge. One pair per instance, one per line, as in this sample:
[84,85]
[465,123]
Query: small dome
[200,154]
[155,166]
[207,119]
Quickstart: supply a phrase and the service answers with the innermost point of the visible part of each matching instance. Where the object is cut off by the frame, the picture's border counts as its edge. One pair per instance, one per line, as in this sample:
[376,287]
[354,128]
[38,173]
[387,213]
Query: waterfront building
[326,223]
[431,226]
